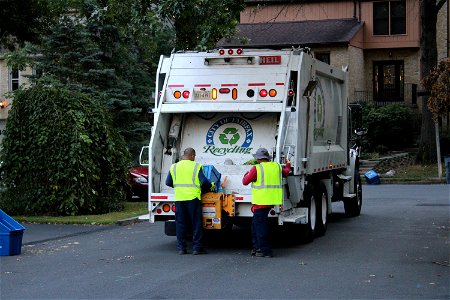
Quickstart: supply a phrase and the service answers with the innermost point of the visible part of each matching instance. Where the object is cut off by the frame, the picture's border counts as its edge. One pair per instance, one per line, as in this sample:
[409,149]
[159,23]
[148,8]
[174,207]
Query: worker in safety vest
[267,191]
[188,180]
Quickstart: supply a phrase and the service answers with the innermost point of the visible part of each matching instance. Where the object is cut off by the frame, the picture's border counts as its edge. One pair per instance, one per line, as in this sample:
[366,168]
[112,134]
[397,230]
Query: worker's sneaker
[260,254]
[254,251]
[181,252]
[198,252]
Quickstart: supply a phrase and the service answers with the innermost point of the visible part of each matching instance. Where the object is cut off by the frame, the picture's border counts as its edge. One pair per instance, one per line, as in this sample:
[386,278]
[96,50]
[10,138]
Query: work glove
[213,186]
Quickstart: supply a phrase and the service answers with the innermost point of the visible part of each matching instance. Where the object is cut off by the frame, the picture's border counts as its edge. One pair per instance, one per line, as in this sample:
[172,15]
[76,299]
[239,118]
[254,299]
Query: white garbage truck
[226,104]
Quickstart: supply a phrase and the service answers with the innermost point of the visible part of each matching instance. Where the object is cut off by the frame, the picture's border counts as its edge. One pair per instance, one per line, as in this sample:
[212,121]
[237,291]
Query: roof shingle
[287,34]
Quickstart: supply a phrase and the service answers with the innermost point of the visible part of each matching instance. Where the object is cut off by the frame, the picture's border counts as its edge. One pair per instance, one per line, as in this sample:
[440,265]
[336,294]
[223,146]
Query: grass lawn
[411,173]
[132,209]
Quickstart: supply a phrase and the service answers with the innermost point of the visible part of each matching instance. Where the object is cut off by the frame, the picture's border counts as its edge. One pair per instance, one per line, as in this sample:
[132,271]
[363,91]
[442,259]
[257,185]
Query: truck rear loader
[226,104]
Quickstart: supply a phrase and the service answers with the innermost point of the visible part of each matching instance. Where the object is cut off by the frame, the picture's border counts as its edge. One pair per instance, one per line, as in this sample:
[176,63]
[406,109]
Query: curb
[129,221]
[388,181]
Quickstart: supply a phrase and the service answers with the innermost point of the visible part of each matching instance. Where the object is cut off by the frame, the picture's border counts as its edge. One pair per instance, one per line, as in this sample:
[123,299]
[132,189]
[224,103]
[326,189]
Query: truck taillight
[230,51]
[250,93]
[263,93]
[166,208]
[234,94]
[186,94]
[177,94]
[291,93]
[272,93]
[239,51]
[224,90]
[221,51]
[214,94]
[174,208]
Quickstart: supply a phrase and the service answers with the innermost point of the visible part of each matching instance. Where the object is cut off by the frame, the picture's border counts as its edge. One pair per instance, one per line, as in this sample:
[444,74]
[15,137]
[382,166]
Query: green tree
[109,49]
[200,24]
[61,155]
[22,21]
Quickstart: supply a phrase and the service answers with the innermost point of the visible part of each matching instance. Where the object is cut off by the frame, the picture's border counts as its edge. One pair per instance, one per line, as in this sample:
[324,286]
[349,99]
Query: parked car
[138,179]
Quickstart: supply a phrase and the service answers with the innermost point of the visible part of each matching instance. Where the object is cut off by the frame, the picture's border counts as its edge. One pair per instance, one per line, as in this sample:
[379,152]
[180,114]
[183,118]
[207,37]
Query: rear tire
[322,211]
[353,205]
[308,229]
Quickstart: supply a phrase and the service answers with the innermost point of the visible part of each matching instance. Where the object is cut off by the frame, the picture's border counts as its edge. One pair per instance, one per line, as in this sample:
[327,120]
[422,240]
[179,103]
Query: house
[10,80]
[379,41]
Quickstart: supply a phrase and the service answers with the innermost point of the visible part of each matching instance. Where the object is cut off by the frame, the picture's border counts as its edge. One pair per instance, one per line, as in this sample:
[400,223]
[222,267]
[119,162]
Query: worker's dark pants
[260,231]
[188,215]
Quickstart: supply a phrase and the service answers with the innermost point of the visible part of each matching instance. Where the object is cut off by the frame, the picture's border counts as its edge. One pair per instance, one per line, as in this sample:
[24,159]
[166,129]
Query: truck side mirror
[360,132]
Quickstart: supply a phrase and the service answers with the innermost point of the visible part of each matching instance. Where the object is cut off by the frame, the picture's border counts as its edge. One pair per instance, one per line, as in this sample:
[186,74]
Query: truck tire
[308,230]
[321,210]
[353,205]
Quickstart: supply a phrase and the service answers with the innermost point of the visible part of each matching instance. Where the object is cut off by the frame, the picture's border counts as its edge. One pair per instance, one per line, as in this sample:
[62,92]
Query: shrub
[389,128]
[61,155]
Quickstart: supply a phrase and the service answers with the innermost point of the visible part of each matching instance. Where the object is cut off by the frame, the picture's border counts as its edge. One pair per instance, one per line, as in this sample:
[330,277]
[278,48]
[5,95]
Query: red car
[138,179]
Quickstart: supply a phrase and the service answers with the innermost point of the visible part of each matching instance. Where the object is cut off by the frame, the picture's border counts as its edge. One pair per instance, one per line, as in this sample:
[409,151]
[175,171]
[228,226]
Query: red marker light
[186,94]
[224,90]
[221,52]
[263,93]
[291,92]
[174,208]
[230,51]
[239,51]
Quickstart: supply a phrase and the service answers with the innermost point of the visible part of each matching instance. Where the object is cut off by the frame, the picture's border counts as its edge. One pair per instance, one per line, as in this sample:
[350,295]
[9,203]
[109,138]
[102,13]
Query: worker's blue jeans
[260,231]
[188,215]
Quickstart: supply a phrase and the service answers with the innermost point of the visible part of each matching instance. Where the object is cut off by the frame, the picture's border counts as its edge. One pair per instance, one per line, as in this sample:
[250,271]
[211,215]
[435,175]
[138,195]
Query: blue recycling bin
[212,175]
[11,233]
[447,168]
[372,177]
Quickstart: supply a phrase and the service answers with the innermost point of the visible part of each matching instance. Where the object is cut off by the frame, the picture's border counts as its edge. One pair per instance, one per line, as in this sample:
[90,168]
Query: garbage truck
[227,103]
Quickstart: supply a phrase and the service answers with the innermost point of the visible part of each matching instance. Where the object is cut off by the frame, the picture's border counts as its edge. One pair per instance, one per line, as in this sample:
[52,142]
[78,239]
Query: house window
[388,81]
[14,79]
[389,17]
[322,56]
[37,72]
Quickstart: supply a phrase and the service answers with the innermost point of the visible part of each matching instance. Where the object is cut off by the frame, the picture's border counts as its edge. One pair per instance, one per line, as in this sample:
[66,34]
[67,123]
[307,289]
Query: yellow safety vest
[267,189]
[186,184]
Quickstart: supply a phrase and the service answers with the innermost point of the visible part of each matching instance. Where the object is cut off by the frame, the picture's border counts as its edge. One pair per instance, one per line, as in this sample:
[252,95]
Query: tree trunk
[428,60]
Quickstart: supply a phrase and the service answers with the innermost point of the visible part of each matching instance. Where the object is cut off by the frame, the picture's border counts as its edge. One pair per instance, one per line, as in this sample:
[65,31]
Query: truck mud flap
[170,228]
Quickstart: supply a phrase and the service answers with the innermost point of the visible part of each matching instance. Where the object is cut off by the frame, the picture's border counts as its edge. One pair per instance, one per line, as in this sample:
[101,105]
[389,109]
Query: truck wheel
[353,205]
[322,210]
[308,229]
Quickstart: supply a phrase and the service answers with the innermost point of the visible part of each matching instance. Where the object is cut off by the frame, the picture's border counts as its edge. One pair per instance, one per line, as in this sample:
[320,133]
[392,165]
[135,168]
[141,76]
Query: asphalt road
[397,249]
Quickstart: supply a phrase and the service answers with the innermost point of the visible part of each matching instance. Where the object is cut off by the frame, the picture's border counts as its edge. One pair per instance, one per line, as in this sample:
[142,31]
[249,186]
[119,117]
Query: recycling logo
[229,136]
[230,132]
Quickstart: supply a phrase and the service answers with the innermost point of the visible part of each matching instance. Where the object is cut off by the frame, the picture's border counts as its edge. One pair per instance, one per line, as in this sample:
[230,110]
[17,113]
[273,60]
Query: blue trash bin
[372,177]
[11,233]
[447,167]
[212,175]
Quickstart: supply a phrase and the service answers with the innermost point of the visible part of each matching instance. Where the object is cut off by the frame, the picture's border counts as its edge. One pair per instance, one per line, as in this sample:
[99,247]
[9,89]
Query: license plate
[202,95]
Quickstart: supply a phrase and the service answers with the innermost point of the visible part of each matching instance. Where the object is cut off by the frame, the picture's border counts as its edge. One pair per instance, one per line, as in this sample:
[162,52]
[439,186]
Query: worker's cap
[262,153]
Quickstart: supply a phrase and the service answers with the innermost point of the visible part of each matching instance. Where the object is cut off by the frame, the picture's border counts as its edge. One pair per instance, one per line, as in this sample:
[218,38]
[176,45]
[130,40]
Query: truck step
[299,216]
